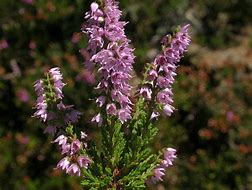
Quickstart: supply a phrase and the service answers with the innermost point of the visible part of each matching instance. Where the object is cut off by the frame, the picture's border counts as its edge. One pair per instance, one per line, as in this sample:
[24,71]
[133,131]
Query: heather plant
[125,115]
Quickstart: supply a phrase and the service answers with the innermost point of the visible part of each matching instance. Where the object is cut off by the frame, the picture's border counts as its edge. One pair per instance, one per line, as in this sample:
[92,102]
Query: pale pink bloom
[61,140]
[75,146]
[158,174]
[73,169]
[146,93]
[63,164]
[97,119]
[111,109]
[84,161]
[83,135]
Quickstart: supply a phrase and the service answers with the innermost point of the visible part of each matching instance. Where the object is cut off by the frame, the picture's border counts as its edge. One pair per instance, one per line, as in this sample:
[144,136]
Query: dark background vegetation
[212,125]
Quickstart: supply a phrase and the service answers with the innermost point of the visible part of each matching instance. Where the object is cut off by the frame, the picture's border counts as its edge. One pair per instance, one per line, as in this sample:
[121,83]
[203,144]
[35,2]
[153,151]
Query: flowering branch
[124,161]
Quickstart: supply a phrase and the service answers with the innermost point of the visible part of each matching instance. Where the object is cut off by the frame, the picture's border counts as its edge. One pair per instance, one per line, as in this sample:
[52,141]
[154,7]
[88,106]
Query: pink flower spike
[146,93]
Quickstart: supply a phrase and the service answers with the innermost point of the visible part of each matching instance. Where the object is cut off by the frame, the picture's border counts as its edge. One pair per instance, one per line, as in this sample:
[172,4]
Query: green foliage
[125,162]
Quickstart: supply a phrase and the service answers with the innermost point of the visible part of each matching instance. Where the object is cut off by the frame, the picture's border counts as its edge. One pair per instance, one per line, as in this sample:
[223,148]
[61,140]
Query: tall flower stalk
[111,53]
[124,159]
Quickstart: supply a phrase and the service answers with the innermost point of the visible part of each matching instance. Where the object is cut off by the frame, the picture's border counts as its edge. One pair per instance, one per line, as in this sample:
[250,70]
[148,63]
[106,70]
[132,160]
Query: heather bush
[37,35]
[123,160]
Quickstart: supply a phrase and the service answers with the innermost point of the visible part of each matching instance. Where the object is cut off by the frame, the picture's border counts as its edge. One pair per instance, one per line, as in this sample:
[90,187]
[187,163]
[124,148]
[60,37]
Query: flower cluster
[74,160]
[122,143]
[49,104]
[57,78]
[160,77]
[41,104]
[159,172]
[50,89]
[110,51]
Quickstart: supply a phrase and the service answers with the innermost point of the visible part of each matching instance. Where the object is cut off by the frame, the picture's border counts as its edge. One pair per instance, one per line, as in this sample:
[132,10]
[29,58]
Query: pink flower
[163,68]
[61,140]
[41,104]
[84,161]
[63,164]
[114,59]
[97,119]
[124,115]
[57,77]
[168,109]
[154,115]
[146,93]
[169,156]
[158,174]
[73,169]
[111,109]
[65,149]
[100,101]
[83,135]
[75,146]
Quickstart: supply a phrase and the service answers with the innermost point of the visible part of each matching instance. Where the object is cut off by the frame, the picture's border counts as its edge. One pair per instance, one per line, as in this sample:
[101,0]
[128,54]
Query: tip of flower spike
[94,6]
[185,27]
[97,119]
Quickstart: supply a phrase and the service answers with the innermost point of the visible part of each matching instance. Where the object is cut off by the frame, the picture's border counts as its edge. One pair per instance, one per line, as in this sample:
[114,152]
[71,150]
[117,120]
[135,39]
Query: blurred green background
[211,128]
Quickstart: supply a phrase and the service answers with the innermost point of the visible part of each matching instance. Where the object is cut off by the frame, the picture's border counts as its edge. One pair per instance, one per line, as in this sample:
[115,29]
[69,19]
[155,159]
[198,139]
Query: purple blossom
[110,51]
[124,115]
[154,115]
[97,119]
[65,149]
[100,101]
[83,135]
[152,75]
[41,104]
[146,93]
[164,67]
[84,161]
[73,169]
[111,109]
[169,156]
[158,174]
[75,146]
[57,77]
[61,140]
[63,164]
